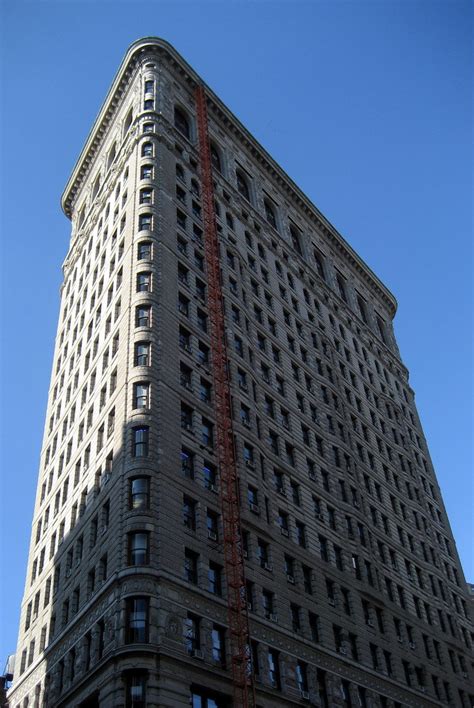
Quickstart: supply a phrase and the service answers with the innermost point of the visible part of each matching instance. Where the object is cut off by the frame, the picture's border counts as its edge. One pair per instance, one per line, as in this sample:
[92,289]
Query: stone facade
[356,594]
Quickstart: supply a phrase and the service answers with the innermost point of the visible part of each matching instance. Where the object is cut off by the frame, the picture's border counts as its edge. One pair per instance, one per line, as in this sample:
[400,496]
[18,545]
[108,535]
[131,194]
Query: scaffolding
[242,674]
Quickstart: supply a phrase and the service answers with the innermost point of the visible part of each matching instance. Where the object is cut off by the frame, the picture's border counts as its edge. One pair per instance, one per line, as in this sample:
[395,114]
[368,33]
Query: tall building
[236,504]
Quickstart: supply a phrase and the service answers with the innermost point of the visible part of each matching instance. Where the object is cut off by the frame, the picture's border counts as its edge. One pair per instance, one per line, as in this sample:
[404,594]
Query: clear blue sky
[366,105]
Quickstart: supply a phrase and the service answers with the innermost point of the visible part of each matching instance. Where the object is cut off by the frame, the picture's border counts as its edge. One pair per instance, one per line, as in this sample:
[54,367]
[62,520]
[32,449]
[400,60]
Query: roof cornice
[102,122]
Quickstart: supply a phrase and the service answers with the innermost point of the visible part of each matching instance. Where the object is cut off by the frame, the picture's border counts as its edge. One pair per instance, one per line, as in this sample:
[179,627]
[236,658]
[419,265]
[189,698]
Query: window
[300,534]
[146,172]
[142,353]
[147,148]
[186,417]
[191,566]
[139,493]
[214,579]
[144,282]
[181,122]
[243,185]
[318,262]
[270,213]
[218,645]
[136,620]
[296,239]
[302,676]
[143,316]
[212,523]
[362,307]
[295,612]
[140,441]
[135,689]
[210,476]
[138,543]
[189,513]
[192,634]
[274,669]
[141,395]
[207,433]
[215,158]
[187,463]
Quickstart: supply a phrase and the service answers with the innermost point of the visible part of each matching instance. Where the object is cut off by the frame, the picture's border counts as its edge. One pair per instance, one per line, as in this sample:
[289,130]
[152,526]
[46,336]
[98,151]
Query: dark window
[136,620]
[144,249]
[274,669]
[191,566]
[192,634]
[139,493]
[138,553]
[142,353]
[140,441]
[135,689]
[181,122]
[215,158]
[270,214]
[143,282]
[242,185]
[143,316]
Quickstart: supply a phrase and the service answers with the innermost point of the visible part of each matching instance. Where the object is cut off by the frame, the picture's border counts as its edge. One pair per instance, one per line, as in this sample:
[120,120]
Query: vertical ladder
[242,675]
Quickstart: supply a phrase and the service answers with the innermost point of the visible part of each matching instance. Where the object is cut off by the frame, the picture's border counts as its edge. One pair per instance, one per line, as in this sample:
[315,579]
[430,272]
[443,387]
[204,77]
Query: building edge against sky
[354,588]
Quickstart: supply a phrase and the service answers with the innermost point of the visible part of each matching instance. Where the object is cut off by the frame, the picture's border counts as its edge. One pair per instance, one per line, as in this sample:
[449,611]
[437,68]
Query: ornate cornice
[154,45]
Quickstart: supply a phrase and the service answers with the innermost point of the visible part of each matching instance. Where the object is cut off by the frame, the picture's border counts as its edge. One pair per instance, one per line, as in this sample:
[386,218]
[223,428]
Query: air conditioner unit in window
[304,695]
[290,578]
[197,653]
[268,566]
[212,535]
[284,531]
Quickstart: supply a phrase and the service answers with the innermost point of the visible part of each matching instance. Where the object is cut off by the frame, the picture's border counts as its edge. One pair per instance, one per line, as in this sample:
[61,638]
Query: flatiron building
[352,592]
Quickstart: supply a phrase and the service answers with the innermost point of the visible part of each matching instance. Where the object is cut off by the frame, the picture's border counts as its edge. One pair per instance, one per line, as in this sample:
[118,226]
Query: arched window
[215,158]
[96,187]
[296,239]
[243,185]
[319,264]
[181,122]
[270,214]
[111,155]
[128,122]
